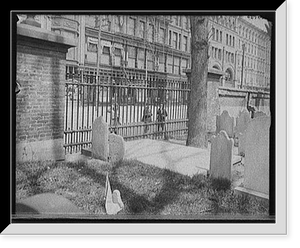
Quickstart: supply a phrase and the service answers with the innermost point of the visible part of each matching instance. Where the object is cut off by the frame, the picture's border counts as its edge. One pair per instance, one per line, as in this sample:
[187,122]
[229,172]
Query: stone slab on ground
[176,157]
[252,193]
[47,203]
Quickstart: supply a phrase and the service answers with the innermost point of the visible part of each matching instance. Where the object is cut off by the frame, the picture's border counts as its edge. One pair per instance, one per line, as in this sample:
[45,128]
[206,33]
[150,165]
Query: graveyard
[155,178]
[83,151]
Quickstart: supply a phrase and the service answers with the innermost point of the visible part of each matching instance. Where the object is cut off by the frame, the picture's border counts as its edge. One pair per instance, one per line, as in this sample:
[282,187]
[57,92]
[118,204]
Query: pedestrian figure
[146,118]
[115,117]
[161,116]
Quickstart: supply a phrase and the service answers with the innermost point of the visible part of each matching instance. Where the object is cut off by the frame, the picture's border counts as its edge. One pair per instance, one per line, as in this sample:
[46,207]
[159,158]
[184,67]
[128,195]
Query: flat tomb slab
[182,159]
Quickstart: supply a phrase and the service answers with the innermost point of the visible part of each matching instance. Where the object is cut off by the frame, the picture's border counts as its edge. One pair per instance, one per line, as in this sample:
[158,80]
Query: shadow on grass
[142,197]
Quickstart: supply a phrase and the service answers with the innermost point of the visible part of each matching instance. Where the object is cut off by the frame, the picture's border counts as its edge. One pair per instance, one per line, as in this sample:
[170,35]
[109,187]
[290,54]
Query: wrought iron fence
[129,103]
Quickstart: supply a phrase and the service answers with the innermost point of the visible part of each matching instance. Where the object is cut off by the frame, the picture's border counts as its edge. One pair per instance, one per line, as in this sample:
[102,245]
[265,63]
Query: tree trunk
[197,133]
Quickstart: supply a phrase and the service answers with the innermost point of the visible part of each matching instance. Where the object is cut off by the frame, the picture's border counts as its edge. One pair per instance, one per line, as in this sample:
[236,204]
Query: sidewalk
[176,157]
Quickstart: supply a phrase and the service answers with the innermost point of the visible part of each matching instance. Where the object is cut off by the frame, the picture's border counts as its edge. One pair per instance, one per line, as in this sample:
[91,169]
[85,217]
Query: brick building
[161,44]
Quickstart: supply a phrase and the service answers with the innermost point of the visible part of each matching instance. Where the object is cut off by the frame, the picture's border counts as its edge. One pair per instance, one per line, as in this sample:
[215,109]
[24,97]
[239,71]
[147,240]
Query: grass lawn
[145,189]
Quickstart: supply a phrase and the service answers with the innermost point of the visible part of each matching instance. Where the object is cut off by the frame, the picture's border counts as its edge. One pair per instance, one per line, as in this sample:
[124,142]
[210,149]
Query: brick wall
[40,103]
[41,63]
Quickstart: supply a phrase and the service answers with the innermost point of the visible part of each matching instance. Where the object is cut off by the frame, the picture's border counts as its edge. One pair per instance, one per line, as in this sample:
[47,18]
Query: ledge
[44,35]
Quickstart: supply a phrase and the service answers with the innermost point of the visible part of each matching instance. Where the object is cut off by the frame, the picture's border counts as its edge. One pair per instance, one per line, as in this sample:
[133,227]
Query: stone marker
[241,143]
[116,148]
[242,121]
[100,139]
[256,175]
[113,201]
[47,203]
[226,123]
[221,156]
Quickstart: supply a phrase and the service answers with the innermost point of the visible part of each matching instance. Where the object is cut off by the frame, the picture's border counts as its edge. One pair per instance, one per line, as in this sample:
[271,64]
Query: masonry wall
[40,104]
[232,100]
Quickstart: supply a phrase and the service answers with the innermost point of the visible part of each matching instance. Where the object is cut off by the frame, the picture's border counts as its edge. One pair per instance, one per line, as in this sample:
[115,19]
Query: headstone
[241,143]
[46,203]
[242,121]
[221,156]
[259,113]
[100,139]
[226,123]
[113,201]
[116,147]
[256,175]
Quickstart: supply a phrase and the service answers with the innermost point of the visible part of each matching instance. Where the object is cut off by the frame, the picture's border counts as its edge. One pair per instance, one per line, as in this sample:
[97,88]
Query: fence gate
[123,100]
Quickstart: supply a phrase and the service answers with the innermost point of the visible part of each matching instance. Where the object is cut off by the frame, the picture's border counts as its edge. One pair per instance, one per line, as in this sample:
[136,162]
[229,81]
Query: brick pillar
[41,63]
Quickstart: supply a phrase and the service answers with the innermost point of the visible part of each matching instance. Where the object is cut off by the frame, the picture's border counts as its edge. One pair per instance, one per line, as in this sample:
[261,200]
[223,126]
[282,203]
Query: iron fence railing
[123,100]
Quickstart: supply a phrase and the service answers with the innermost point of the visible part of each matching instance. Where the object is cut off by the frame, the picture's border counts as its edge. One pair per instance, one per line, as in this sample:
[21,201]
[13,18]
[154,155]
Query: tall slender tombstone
[100,139]
[225,122]
[221,156]
[242,121]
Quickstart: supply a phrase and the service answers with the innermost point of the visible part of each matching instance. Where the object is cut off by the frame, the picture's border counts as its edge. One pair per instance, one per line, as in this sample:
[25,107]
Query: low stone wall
[233,100]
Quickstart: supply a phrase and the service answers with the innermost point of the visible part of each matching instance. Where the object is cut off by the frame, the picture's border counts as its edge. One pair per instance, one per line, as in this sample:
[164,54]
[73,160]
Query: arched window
[216,67]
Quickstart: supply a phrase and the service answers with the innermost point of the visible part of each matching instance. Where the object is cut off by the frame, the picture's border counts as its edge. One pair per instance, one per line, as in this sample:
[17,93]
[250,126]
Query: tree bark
[197,110]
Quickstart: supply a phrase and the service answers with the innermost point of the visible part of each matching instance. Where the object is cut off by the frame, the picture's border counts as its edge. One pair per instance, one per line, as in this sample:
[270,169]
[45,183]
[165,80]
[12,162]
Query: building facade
[239,45]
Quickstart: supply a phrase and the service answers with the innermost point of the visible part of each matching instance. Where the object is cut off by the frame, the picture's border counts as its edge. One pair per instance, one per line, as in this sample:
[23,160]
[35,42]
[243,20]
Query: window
[217,35]
[162,35]
[141,58]
[162,61]
[185,42]
[226,39]
[213,33]
[170,38]
[175,40]
[131,26]
[118,56]
[150,60]
[142,29]
[176,65]
[151,33]
[105,58]
[184,63]
[179,42]
[106,50]
[219,54]
[233,41]
[131,56]
[92,44]
[221,34]
[169,64]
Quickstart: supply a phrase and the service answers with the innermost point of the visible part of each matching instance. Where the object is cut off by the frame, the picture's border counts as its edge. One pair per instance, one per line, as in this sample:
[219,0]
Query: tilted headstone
[259,113]
[256,175]
[221,156]
[242,121]
[100,139]
[116,147]
[226,123]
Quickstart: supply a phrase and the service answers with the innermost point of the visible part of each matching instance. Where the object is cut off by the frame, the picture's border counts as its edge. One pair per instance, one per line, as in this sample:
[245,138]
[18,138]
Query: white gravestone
[256,175]
[100,139]
[242,121]
[221,156]
[116,147]
[225,122]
